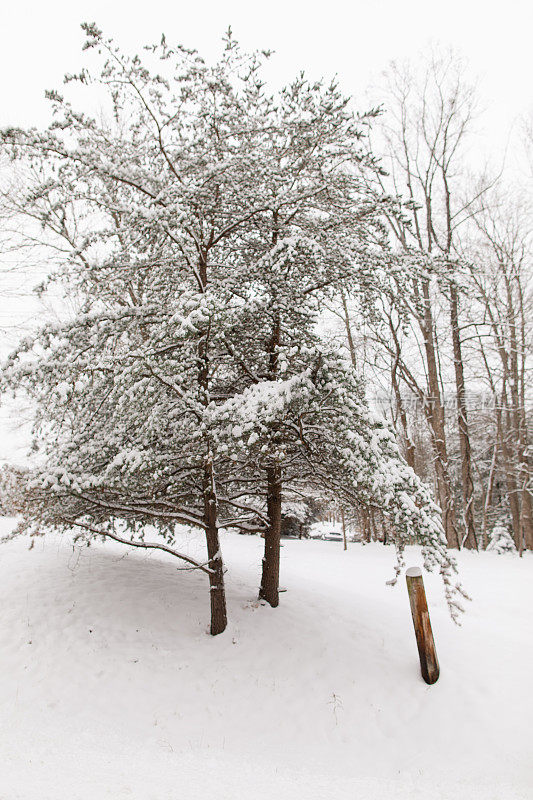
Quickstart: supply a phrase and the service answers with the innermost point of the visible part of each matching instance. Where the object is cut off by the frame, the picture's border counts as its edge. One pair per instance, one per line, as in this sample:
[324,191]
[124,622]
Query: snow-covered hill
[111,688]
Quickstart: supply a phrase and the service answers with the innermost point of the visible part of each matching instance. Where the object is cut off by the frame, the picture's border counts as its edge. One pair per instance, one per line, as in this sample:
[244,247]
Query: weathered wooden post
[424,635]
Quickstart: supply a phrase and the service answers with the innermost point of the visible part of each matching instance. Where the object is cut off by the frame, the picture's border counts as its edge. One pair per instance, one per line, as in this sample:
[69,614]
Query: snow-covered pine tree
[203,225]
[144,206]
[501,540]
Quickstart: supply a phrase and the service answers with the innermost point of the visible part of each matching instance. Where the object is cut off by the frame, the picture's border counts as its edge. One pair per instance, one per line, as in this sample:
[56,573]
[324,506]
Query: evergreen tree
[204,224]
[145,203]
[501,540]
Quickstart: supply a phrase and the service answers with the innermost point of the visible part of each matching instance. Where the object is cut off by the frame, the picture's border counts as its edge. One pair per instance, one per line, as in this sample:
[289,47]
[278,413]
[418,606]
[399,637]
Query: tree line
[467,331]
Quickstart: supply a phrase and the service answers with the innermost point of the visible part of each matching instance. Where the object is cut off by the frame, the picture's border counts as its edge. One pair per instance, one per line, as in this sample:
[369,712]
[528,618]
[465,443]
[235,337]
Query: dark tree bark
[269,589]
[347,323]
[435,414]
[470,539]
[510,475]
[364,517]
[400,409]
[216,576]
[344,540]
[219,618]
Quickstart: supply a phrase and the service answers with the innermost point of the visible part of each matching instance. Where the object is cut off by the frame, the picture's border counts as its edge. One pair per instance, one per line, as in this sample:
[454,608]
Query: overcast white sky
[40,41]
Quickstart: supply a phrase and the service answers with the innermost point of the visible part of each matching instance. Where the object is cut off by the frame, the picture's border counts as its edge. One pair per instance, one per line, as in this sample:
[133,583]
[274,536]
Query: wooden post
[424,635]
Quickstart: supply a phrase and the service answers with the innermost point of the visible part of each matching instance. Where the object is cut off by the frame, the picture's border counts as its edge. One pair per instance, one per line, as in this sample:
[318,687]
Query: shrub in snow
[501,540]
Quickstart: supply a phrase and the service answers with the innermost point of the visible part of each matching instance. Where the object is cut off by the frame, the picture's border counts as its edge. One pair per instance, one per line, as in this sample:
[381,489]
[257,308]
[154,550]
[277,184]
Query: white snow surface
[111,687]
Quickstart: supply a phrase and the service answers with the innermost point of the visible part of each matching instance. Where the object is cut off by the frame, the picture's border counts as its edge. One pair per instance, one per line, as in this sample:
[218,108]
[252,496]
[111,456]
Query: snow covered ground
[111,688]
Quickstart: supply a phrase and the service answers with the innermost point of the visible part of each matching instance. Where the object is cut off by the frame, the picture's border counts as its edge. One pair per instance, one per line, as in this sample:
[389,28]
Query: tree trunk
[490,489]
[435,413]
[409,446]
[269,590]
[344,540]
[351,346]
[518,420]
[526,513]
[365,519]
[470,539]
[510,477]
[219,618]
